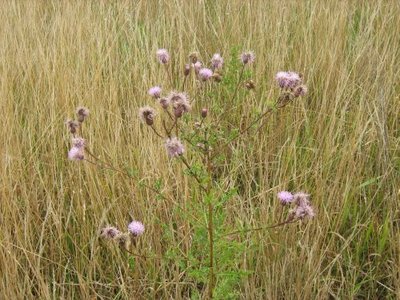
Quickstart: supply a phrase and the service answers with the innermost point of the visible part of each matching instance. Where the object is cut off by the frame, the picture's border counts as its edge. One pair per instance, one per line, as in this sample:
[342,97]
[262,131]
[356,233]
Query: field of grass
[339,143]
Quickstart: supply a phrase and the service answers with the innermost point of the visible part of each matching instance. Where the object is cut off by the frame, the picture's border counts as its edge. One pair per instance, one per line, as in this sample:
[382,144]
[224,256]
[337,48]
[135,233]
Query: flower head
[72,126]
[155,92]
[247,57]
[179,103]
[303,207]
[288,79]
[174,147]
[197,66]
[164,102]
[205,74]
[285,197]
[77,152]
[147,115]
[82,113]
[109,232]
[136,228]
[217,61]
[163,56]
[300,90]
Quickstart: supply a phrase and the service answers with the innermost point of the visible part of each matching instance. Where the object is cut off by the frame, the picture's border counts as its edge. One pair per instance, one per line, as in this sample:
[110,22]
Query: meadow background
[340,143]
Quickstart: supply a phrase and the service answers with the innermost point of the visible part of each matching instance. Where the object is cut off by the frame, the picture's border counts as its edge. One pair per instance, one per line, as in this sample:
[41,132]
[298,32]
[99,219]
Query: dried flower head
[174,147]
[194,57]
[300,90]
[217,61]
[136,228]
[179,103]
[123,240]
[205,74]
[163,56]
[72,126]
[303,207]
[285,197]
[155,92]
[217,77]
[147,115]
[82,113]
[186,70]
[247,57]
[164,102]
[288,80]
[250,85]
[109,232]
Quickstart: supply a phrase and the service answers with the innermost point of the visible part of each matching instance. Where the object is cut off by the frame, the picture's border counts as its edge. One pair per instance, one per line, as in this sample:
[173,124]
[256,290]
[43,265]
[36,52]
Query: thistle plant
[193,135]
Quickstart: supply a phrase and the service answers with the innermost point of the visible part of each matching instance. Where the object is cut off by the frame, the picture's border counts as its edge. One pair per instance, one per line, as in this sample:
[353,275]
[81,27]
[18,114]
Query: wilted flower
[163,56]
[205,74]
[155,92]
[164,102]
[136,228]
[247,57]
[217,61]
[72,126]
[109,232]
[217,77]
[179,103]
[82,113]
[250,84]
[194,57]
[301,90]
[285,197]
[147,115]
[123,240]
[303,207]
[174,147]
[288,79]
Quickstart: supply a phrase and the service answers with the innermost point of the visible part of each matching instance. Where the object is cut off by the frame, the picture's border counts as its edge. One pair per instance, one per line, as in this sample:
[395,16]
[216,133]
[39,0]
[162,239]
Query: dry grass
[340,143]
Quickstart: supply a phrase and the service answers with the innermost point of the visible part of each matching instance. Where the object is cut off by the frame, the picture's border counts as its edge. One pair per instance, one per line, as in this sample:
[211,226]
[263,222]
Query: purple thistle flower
[197,66]
[247,57]
[155,92]
[109,232]
[174,147]
[163,56]
[217,61]
[205,74]
[77,152]
[288,79]
[179,103]
[136,228]
[303,207]
[285,197]
[147,115]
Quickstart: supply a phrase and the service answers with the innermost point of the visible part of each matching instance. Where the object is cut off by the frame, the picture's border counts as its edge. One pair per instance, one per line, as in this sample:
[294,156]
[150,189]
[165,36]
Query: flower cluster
[135,229]
[302,209]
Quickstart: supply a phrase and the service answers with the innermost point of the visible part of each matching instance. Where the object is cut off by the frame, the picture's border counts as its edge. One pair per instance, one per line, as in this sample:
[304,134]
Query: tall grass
[340,143]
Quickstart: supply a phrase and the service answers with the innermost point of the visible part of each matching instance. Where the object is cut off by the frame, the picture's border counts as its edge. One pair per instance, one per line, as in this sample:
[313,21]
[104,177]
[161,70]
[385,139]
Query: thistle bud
[250,84]
[217,77]
[186,71]
[204,113]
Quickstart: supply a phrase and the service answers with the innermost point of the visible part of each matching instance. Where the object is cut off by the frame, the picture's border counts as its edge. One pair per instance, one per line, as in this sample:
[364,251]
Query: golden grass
[340,143]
